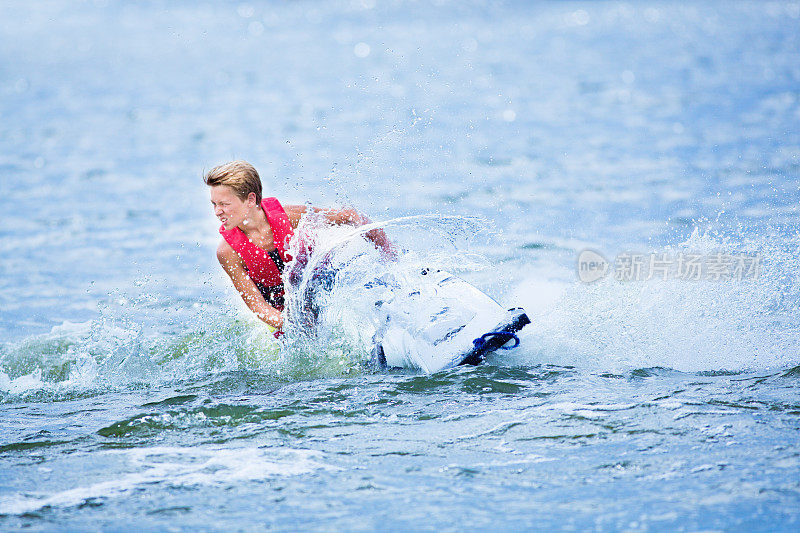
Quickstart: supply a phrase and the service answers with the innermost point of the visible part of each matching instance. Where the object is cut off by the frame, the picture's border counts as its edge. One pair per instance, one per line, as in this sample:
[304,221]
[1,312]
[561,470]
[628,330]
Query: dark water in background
[136,394]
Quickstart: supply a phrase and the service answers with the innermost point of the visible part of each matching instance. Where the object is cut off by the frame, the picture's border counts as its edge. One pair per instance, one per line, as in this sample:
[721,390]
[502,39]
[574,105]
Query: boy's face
[228,208]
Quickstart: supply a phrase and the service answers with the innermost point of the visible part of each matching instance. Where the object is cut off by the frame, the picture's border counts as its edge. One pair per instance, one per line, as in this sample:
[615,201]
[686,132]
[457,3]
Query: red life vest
[261,268]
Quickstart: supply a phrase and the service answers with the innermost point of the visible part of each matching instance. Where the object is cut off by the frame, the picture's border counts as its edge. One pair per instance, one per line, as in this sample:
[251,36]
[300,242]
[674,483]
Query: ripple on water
[216,416]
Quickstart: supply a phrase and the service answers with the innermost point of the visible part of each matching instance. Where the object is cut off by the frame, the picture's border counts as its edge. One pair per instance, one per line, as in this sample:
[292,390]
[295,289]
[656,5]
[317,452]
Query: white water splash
[729,325]
[139,342]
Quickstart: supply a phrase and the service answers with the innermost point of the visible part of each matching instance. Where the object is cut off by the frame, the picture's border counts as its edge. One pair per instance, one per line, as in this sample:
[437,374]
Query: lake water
[136,393]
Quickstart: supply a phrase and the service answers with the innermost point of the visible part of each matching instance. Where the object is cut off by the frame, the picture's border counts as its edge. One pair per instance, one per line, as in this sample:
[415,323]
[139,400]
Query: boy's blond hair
[239,175]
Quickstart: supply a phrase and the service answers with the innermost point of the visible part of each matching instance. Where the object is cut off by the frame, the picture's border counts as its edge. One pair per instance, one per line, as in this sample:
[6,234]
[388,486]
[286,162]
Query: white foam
[538,294]
[579,408]
[177,467]
[32,381]
[705,325]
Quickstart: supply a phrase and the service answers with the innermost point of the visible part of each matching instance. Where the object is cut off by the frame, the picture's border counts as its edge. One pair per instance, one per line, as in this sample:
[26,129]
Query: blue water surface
[137,394]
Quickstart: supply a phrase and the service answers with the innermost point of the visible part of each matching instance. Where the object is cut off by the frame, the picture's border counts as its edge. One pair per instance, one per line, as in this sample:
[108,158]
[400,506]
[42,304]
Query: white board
[432,326]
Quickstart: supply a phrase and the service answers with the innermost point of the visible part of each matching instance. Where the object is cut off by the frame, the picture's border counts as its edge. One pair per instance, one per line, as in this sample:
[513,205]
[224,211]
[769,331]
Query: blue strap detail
[506,335]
